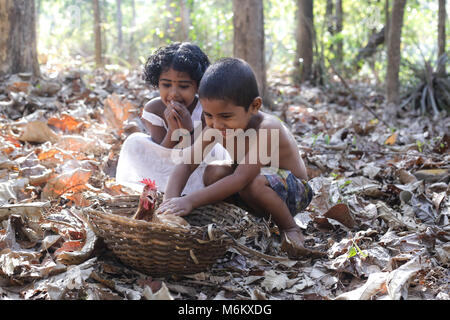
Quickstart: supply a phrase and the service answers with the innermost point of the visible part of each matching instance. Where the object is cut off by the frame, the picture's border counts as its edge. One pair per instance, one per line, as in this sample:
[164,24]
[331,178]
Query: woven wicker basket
[158,249]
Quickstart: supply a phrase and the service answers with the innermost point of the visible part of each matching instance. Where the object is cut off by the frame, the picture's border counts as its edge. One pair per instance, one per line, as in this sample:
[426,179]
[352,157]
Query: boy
[231,105]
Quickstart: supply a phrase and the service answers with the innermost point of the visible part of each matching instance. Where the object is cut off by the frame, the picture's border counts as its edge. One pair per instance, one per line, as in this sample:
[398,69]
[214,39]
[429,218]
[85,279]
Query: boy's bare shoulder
[155,106]
[269,121]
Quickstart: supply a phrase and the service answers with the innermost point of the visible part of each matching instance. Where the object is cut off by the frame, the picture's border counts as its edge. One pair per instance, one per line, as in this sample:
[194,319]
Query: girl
[176,70]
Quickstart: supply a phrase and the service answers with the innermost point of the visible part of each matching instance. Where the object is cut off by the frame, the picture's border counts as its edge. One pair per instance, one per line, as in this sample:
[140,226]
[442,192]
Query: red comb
[150,183]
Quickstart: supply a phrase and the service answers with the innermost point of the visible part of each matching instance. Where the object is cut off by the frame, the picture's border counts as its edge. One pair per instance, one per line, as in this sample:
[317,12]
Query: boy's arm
[247,170]
[178,179]
[225,187]
[192,156]
[215,192]
[218,191]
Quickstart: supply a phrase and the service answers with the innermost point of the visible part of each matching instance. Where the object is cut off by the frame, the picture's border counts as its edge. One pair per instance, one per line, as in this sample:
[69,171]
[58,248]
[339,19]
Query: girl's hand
[180,206]
[172,121]
[183,115]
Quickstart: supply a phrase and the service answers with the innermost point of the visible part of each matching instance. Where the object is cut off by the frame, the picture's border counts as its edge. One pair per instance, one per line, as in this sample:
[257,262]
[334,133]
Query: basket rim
[135,223]
[98,209]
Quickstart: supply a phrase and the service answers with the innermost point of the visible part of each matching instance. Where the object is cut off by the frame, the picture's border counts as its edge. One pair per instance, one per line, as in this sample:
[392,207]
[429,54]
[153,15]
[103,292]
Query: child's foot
[292,242]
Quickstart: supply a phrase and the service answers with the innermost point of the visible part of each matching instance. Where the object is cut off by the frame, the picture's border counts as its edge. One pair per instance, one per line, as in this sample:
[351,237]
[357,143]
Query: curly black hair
[181,56]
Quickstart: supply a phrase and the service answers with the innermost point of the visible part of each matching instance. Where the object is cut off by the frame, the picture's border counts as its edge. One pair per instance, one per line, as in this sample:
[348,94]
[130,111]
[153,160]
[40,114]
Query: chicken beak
[151,200]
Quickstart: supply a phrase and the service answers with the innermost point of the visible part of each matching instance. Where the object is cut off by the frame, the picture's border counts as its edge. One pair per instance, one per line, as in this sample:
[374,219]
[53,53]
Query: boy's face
[177,86]
[223,115]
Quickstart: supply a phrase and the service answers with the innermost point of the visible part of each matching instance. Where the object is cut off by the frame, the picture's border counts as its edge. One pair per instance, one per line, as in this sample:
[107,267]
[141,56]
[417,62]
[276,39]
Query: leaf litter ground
[60,141]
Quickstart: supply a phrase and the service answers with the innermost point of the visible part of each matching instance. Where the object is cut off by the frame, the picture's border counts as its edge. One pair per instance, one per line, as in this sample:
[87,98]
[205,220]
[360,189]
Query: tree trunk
[38,14]
[393,66]
[132,57]
[329,16]
[185,21]
[169,25]
[441,34]
[103,6]
[98,35]
[248,41]
[304,38]
[119,26]
[339,27]
[386,23]
[18,47]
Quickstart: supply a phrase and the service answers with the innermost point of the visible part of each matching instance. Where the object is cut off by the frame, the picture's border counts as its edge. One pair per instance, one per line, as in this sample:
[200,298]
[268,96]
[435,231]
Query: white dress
[140,157]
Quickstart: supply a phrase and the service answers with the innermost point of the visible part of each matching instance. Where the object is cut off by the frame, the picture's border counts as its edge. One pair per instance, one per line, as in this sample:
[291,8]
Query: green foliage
[359,19]
[354,250]
[420,145]
[280,43]
[66,31]
[346,183]
[212,27]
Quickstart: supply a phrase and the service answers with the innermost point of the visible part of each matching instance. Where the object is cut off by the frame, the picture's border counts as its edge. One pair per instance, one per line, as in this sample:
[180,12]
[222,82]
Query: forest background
[351,36]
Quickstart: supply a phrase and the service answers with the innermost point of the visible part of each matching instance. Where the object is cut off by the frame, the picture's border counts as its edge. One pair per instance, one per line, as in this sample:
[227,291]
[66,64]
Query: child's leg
[214,173]
[264,200]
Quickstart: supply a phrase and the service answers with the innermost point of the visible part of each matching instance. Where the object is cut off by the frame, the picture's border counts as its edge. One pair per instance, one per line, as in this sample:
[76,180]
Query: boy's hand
[180,206]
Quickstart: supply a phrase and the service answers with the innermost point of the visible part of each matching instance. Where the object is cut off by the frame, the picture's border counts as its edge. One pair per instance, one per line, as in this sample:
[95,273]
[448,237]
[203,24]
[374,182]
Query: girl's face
[177,86]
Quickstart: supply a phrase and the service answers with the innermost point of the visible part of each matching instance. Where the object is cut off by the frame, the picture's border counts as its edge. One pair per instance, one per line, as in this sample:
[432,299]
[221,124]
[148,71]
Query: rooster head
[149,184]
[149,195]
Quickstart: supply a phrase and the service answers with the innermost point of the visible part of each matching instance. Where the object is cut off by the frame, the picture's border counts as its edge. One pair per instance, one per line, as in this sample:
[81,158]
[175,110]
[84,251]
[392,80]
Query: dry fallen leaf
[397,282]
[161,294]
[274,281]
[375,285]
[391,140]
[116,110]
[39,132]
[13,140]
[19,87]
[341,213]
[69,246]
[67,123]
[69,182]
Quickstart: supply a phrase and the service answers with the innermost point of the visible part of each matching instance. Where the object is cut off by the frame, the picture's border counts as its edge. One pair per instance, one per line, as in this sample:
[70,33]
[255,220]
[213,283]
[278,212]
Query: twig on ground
[355,96]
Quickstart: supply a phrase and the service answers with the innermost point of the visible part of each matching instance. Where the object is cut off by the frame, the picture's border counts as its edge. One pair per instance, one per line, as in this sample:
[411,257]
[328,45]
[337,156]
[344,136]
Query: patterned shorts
[296,193]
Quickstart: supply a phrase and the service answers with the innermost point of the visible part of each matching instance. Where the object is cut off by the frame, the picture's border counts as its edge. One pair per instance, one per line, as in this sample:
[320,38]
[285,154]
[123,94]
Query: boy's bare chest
[252,149]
